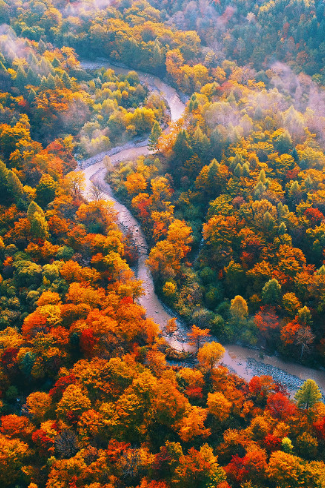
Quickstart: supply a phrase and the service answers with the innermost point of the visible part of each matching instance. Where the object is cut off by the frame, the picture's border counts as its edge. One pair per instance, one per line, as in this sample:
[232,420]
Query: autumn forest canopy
[231,200]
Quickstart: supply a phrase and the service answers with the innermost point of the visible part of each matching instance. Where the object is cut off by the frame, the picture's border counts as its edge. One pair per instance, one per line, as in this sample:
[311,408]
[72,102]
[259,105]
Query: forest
[231,200]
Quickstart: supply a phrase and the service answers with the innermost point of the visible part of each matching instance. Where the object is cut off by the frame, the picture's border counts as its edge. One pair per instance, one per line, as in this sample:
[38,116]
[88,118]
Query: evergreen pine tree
[308,395]
[154,136]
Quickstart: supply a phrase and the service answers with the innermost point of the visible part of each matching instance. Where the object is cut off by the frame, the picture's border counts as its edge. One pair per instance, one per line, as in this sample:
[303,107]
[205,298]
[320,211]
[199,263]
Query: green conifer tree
[154,136]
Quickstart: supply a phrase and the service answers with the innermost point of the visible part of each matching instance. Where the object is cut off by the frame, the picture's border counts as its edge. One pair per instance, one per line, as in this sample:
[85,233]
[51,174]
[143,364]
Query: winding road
[243,361]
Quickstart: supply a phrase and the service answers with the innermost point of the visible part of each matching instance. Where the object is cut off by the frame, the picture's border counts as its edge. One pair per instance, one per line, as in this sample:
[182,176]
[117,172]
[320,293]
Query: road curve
[243,361]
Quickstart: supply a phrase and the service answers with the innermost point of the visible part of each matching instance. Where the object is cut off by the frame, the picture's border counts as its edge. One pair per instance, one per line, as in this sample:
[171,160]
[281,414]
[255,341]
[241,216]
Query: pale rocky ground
[243,361]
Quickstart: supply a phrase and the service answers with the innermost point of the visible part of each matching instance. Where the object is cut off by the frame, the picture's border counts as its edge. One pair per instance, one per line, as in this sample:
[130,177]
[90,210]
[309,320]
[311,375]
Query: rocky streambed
[241,360]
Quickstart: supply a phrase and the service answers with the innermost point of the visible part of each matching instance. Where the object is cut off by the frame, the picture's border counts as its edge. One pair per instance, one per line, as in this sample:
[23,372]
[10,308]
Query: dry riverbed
[241,360]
